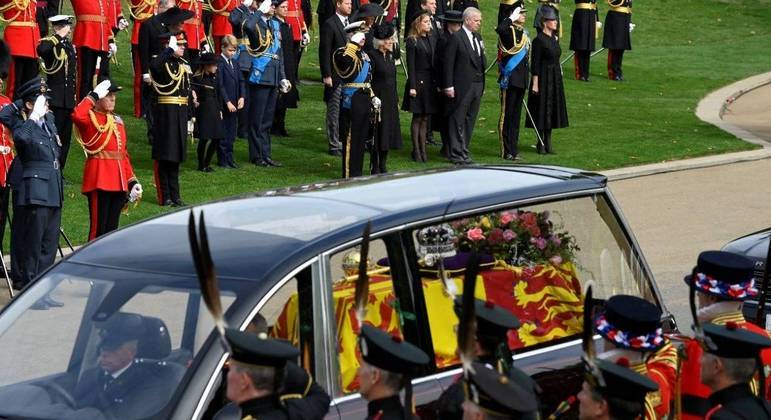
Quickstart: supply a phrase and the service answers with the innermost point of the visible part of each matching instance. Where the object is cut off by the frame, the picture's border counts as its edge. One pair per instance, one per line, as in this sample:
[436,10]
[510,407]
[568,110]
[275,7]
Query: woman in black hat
[388,135]
[546,100]
[419,97]
[208,111]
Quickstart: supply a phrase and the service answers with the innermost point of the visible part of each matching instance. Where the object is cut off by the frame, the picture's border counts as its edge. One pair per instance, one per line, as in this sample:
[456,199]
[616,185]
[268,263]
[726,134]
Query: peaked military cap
[383,31]
[631,323]
[257,350]
[120,328]
[617,380]
[492,320]
[548,13]
[388,352]
[368,10]
[725,275]
[61,20]
[31,89]
[731,342]
[451,16]
[175,16]
[498,394]
[180,35]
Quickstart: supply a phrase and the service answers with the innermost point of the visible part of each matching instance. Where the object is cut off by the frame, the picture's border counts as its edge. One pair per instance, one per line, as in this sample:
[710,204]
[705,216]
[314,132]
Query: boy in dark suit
[232,90]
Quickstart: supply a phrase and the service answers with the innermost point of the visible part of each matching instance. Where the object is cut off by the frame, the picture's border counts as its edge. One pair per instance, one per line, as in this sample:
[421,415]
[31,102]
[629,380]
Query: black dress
[289,99]
[208,124]
[388,135]
[548,107]
[420,66]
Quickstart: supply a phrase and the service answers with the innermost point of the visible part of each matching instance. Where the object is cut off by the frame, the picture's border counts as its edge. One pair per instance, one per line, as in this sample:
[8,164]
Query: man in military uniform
[387,362]
[108,177]
[193,27]
[513,47]
[238,18]
[728,365]
[22,36]
[493,395]
[170,74]
[583,31]
[612,391]
[617,36]
[36,180]
[351,65]
[631,327]
[94,40]
[721,281]
[266,77]
[220,23]
[141,11]
[58,62]
[6,143]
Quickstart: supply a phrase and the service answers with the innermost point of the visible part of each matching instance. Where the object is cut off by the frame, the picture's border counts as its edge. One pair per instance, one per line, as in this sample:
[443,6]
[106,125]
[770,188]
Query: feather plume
[361,295]
[467,326]
[204,267]
[588,332]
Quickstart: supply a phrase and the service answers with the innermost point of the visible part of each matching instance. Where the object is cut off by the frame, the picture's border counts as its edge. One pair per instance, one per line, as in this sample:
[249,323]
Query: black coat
[437,124]
[388,135]
[461,66]
[332,37]
[548,107]
[170,122]
[420,76]
[289,99]
[149,44]
[616,34]
[208,123]
[738,403]
[60,63]
[386,409]
[508,34]
[584,29]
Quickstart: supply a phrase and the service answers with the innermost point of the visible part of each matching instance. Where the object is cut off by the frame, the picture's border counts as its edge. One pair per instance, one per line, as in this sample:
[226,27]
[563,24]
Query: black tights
[205,154]
[419,132]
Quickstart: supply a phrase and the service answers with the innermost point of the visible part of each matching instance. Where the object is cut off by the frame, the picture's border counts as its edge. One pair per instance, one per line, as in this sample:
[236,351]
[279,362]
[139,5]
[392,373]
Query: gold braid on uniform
[262,42]
[108,128]
[61,58]
[517,47]
[19,5]
[616,3]
[176,80]
[219,11]
[142,11]
[350,51]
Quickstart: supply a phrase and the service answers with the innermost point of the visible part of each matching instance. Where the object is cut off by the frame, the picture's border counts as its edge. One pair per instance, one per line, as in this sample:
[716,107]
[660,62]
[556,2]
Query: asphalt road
[677,215]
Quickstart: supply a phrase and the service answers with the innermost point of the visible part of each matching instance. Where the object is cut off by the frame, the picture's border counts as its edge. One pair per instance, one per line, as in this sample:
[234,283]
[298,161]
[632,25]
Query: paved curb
[710,109]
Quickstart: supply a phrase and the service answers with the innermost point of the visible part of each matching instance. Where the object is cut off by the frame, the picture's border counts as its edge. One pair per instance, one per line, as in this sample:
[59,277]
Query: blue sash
[261,62]
[347,93]
[510,65]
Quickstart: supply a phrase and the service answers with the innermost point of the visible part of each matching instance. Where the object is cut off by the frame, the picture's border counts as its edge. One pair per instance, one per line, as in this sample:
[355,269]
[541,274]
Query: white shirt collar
[120,372]
[342,18]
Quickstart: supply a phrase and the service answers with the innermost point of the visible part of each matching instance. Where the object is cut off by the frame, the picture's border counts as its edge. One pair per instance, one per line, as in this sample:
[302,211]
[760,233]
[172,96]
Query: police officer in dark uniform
[58,63]
[583,32]
[493,326]
[387,362]
[617,37]
[728,365]
[489,391]
[352,66]
[171,81]
[36,181]
[514,46]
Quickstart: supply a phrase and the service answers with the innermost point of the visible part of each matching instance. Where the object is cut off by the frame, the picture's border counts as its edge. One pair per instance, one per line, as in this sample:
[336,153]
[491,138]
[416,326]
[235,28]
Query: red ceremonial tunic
[21,32]
[220,25]
[93,28]
[690,387]
[141,10]
[660,367]
[108,166]
[295,19]
[193,27]
[115,12]
[5,140]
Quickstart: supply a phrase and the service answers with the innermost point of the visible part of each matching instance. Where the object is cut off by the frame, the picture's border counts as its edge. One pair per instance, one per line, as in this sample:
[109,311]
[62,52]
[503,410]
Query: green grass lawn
[682,50]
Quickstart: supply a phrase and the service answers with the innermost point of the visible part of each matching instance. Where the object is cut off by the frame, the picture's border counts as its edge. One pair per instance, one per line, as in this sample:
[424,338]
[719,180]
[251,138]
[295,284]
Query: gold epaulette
[350,50]
[666,355]
[52,39]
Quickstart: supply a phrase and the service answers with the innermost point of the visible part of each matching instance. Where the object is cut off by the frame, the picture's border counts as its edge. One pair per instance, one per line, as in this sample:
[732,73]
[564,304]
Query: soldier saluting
[58,62]
[352,66]
[514,46]
[171,80]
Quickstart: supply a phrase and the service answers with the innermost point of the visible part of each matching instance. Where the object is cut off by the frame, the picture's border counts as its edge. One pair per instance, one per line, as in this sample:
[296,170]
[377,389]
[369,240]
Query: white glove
[599,24]
[306,39]
[102,89]
[136,192]
[247,3]
[146,78]
[39,109]
[122,23]
[376,102]
[285,85]
[631,27]
[515,14]
[206,47]
[173,42]
[191,126]
[265,6]
[113,49]
[358,38]
[4,150]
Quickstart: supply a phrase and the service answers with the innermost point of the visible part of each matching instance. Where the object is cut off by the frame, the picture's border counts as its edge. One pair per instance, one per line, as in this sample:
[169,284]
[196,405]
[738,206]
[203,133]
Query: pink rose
[529,219]
[506,218]
[541,243]
[509,235]
[556,260]
[475,234]
[556,240]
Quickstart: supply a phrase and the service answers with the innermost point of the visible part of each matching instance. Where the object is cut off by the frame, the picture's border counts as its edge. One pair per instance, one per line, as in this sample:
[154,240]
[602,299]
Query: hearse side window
[383,310]
[535,261]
